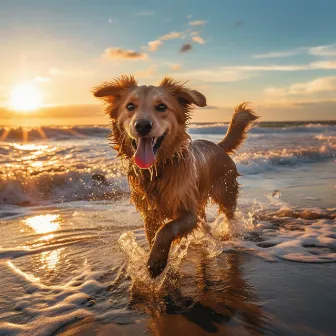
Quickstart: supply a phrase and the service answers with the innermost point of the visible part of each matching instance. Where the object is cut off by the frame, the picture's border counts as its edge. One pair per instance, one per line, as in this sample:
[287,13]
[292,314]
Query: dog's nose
[143,126]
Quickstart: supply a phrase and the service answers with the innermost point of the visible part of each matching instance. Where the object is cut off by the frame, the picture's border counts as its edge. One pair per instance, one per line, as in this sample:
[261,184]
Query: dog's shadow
[209,296]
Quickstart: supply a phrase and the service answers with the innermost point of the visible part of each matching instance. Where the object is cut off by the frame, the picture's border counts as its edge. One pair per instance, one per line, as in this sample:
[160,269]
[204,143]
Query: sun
[25,98]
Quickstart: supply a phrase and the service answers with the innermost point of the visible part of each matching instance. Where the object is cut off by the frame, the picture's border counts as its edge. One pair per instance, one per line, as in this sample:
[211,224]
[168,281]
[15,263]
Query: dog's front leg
[177,228]
[153,222]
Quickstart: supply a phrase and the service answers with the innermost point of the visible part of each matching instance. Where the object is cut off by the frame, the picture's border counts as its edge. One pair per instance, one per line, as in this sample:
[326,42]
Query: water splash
[276,194]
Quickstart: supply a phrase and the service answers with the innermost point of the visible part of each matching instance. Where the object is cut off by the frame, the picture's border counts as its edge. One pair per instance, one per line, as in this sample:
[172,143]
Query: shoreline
[280,305]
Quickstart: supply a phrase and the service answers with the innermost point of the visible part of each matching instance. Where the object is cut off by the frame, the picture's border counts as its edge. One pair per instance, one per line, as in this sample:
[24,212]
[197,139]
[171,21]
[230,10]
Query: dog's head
[148,122]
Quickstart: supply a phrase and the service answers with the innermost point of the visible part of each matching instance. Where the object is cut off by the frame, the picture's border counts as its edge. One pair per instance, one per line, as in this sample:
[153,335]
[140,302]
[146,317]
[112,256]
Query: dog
[171,178]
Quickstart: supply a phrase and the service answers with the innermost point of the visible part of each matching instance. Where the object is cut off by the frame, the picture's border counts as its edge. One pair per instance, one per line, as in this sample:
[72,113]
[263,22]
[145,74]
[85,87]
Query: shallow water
[73,248]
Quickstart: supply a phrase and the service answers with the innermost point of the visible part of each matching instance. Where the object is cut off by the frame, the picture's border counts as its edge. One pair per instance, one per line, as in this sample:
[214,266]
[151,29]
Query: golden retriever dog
[171,177]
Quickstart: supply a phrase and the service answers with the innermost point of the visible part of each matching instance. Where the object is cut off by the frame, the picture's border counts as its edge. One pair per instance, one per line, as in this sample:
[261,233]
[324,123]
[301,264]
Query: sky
[278,55]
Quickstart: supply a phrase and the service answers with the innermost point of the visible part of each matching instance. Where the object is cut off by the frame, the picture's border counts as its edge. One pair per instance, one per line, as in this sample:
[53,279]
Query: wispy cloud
[324,65]
[145,13]
[278,54]
[149,72]
[316,85]
[274,67]
[110,20]
[322,84]
[118,53]
[326,50]
[198,39]
[170,36]
[154,45]
[243,72]
[215,75]
[176,66]
[42,79]
[197,23]
[185,48]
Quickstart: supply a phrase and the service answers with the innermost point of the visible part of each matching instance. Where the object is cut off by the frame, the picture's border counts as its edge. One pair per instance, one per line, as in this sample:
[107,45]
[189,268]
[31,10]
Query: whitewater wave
[60,187]
[81,182]
[83,132]
[259,162]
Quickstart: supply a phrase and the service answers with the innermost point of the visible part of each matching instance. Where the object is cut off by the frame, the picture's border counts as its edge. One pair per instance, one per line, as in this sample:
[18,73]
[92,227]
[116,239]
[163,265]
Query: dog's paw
[157,262]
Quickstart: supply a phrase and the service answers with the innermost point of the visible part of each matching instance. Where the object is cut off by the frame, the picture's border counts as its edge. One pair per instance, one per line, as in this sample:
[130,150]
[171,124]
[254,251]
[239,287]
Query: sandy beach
[73,248]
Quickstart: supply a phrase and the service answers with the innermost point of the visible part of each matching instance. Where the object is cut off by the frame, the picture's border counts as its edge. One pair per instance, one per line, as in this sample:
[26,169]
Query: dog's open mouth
[146,149]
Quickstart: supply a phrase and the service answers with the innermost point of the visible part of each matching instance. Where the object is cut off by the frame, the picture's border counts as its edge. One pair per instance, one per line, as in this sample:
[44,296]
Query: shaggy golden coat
[172,194]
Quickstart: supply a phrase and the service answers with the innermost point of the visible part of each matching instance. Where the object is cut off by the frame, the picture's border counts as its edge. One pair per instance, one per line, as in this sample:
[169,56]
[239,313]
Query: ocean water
[73,247]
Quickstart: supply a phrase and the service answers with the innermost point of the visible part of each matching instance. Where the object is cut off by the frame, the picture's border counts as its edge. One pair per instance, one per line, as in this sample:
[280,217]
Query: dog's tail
[242,120]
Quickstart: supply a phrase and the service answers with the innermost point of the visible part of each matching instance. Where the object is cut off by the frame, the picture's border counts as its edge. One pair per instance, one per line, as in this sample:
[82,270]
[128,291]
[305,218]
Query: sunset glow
[25,98]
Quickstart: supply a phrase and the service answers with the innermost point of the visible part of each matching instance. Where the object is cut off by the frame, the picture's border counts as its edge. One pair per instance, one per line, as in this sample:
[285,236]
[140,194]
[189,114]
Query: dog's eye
[130,107]
[161,107]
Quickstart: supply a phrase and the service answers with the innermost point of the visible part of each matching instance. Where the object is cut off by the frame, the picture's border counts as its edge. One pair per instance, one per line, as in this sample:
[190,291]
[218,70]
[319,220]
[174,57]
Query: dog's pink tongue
[144,156]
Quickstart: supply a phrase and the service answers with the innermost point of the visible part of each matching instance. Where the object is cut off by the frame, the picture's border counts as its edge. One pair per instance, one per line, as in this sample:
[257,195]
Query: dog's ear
[113,89]
[110,91]
[184,95]
[192,97]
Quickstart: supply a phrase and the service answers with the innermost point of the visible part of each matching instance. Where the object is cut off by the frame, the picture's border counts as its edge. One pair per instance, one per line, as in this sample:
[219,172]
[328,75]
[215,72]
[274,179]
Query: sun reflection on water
[46,224]
[43,223]
[29,147]
[50,259]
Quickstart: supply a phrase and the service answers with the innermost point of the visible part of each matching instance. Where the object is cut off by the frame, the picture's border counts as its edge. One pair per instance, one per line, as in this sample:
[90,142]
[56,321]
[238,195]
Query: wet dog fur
[172,193]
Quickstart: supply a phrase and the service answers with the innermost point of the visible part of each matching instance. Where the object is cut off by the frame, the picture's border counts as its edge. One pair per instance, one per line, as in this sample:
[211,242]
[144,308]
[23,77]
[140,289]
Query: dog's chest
[170,193]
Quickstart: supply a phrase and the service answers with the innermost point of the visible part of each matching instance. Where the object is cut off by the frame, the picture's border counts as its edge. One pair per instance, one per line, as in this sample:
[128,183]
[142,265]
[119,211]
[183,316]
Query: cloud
[239,23]
[118,53]
[189,16]
[237,73]
[172,35]
[149,72]
[322,84]
[279,54]
[186,47]
[276,92]
[198,39]
[144,13]
[109,20]
[41,79]
[176,66]
[324,65]
[215,75]
[197,23]
[289,67]
[154,45]
[274,67]
[327,50]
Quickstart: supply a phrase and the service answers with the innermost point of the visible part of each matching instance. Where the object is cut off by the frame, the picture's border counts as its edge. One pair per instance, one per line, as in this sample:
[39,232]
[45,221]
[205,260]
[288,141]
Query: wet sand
[257,298]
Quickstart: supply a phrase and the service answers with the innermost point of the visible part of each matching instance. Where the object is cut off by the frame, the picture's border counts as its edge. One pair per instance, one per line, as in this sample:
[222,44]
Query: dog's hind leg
[177,228]
[225,194]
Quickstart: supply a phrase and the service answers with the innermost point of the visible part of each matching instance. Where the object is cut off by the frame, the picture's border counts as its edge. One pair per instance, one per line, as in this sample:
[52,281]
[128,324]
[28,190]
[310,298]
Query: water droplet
[276,194]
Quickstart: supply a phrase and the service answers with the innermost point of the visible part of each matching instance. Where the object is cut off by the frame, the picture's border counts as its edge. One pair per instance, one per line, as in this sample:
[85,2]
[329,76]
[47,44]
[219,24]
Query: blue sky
[280,55]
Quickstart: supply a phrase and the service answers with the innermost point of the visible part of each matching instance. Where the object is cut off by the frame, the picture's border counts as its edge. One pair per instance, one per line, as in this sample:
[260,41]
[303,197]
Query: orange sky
[228,52]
